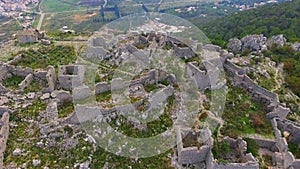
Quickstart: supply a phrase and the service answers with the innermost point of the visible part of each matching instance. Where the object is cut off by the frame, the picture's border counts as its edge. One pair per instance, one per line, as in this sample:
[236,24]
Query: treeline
[269,20]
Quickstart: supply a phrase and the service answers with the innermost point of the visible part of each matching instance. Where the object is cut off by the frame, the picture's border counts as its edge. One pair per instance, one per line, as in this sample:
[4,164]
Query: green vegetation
[294,148]
[291,60]
[268,20]
[8,27]
[252,147]
[243,115]
[60,5]
[35,86]
[80,21]
[13,82]
[153,128]
[221,150]
[265,162]
[25,135]
[100,157]
[105,96]
[150,87]
[47,55]
[65,110]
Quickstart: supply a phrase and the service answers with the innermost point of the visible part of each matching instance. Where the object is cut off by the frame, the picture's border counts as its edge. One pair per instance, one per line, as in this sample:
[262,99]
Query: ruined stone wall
[193,155]
[70,76]
[26,82]
[201,77]
[292,128]
[4,132]
[51,78]
[3,73]
[267,144]
[277,114]
[249,165]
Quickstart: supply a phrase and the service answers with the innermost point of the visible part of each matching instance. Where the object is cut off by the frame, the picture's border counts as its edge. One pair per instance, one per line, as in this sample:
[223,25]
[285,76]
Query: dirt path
[40,22]
[42,16]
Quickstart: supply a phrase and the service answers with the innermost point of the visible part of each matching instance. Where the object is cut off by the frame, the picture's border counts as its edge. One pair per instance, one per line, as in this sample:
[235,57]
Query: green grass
[60,5]
[252,147]
[221,150]
[105,96]
[9,28]
[35,86]
[54,22]
[25,135]
[243,115]
[150,87]
[100,157]
[43,56]
[36,21]
[294,149]
[160,125]
[13,82]
[65,110]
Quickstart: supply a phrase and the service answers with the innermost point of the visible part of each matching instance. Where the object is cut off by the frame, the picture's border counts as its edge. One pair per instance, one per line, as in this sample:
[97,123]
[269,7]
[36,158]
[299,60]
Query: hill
[282,18]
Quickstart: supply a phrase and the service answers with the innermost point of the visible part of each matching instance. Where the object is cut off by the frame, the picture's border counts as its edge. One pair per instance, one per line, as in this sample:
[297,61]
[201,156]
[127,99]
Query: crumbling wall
[277,114]
[26,82]
[4,132]
[249,165]
[3,73]
[70,76]
[292,128]
[51,78]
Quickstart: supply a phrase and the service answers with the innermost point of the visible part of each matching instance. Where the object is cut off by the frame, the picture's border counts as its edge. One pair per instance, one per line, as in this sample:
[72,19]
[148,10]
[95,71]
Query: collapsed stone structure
[32,36]
[29,36]
[48,76]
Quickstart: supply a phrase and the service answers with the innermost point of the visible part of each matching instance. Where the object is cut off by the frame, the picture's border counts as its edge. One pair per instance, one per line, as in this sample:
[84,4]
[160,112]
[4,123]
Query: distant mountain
[282,18]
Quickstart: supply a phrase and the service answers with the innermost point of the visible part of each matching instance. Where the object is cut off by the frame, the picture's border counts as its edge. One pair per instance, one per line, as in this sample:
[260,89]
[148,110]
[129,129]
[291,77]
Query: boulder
[254,42]
[234,45]
[278,40]
[296,46]
[17,152]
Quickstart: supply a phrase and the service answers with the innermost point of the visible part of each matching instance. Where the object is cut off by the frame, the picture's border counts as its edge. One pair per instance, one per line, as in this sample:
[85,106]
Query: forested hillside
[269,20]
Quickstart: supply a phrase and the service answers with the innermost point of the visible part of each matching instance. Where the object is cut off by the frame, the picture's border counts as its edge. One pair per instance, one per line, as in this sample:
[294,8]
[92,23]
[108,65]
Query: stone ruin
[4,132]
[7,70]
[32,36]
[277,114]
[197,151]
[70,78]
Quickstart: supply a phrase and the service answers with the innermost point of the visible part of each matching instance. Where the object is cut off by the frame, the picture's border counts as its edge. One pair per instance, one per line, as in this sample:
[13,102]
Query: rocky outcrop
[277,40]
[296,46]
[234,45]
[254,42]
